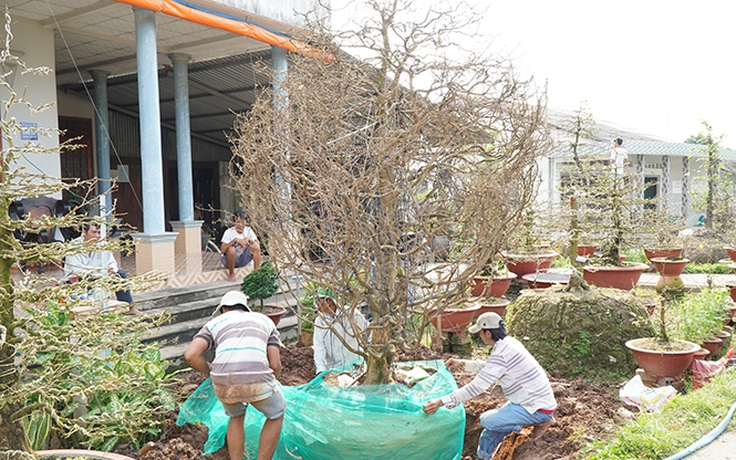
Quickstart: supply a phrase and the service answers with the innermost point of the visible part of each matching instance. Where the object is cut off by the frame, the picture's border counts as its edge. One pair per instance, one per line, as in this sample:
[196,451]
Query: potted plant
[455,320]
[663,355]
[698,317]
[665,228]
[529,256]
[493,281]
[261,284]
[605,203]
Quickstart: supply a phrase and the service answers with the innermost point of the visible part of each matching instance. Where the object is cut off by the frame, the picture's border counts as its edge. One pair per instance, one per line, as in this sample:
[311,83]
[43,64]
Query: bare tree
[354,170]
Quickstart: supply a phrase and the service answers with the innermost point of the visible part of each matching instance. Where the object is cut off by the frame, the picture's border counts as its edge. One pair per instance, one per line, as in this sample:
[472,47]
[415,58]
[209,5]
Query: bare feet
[539,430]
[133,311]
[231,278]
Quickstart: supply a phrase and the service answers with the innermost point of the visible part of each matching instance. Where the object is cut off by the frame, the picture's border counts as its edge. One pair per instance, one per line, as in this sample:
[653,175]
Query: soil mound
[580,333]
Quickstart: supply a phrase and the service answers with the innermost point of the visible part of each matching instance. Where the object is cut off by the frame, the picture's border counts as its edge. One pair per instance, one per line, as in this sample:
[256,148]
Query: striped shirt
[520,376]
[240,370]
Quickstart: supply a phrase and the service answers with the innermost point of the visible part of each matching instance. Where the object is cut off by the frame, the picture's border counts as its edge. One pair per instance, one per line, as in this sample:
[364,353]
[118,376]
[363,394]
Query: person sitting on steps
[239,245]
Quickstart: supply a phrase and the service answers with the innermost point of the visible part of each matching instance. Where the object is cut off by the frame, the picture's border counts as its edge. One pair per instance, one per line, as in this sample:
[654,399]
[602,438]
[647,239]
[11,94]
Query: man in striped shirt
[247,362]
[523,381]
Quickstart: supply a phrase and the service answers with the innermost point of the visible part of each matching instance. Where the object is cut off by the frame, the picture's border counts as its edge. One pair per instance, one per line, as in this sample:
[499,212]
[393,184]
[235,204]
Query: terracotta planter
[484,286]
[725,337]
[712,345]
[545,280]
[731,252]
[624,278]
[306,337]
[586,250]
[732,291]
[669,267]
[456,320]
[662,363]
[701,354]
[521,264]
[495,305]
[71,453]
[272,311]
[656,253]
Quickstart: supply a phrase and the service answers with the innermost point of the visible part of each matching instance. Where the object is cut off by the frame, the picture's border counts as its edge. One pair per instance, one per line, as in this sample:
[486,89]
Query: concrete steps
[190,308]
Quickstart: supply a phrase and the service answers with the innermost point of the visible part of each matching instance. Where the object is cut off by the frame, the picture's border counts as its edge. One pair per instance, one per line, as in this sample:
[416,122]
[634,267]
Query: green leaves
[261,284]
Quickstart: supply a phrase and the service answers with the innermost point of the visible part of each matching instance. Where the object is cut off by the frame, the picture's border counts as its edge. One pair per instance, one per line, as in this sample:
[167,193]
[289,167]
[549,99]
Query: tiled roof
[637,147]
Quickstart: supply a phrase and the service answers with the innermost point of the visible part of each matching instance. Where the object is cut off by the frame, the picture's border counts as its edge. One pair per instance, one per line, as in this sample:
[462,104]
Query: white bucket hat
[230,299]
[488,320]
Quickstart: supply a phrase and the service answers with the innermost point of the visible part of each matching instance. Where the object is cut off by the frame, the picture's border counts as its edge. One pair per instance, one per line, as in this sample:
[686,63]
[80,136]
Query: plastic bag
[324,422]
[635,393]
[703,370]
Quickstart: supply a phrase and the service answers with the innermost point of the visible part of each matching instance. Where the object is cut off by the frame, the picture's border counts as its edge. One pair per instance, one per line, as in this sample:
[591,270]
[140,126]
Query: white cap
[230,299]
[488,320]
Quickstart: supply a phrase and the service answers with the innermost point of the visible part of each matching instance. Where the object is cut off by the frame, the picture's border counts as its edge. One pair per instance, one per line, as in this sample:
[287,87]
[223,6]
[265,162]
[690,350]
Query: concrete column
[188,245]
[102,135]
[154,247]
[280,104]
[666,178]
[183,136]
[152,177]
[685,188]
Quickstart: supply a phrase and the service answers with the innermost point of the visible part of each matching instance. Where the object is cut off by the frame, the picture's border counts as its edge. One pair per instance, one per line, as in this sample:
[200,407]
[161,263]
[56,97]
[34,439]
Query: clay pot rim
[531,256]
[503,302]
[666,260]
[630,344]
[70,453]
[626,267]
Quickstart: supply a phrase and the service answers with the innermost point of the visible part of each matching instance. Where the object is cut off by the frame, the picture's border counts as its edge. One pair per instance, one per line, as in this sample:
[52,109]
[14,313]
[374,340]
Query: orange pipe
[204,18]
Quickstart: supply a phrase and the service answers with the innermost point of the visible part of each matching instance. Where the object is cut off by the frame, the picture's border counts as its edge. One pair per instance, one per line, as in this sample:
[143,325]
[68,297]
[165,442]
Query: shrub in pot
[261,284]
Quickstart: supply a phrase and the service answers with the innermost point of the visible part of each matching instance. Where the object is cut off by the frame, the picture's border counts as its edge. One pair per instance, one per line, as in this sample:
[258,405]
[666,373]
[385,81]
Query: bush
[704,247]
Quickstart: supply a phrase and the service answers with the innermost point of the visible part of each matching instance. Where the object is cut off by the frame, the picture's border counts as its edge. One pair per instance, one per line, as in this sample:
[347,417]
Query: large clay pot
[712,345]
[656,253]
[731,253]
[484,286]
[494,305]
[521,264]
[669,267]
[624,277]
[79,453]
[732,290]
[586,250]
[663,363]
[545,280]
[456,320]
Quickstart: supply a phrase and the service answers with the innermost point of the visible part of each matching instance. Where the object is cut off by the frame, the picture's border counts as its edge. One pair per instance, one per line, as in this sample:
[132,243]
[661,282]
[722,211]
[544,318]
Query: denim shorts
[272,407]
[242,258]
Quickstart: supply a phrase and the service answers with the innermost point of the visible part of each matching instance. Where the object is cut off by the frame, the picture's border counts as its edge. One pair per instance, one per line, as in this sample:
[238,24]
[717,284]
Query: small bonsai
[262,283]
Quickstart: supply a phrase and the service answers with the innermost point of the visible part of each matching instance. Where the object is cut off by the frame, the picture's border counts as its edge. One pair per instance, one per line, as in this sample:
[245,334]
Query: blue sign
[25,134]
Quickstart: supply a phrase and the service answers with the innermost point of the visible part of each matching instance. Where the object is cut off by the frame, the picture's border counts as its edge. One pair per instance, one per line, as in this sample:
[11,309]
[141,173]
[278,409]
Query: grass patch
[683,421]
[713,269]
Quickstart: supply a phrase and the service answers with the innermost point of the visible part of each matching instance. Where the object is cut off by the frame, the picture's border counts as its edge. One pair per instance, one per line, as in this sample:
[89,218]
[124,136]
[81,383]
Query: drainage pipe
[708,438]
[211,19]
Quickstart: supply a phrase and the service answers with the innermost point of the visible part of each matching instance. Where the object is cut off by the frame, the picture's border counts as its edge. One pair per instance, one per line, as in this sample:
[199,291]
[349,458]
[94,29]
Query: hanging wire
[91,100]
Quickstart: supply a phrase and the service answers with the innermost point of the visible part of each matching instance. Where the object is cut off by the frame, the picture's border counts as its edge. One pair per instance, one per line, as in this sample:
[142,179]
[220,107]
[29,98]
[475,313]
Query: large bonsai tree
[357,170]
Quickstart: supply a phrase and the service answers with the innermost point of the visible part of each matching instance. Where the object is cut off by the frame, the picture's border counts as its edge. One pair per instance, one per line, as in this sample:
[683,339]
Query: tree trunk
[378,370]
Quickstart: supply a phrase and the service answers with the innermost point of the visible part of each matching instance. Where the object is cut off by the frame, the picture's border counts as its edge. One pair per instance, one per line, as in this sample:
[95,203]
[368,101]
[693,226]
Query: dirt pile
[585,411]
[580,333]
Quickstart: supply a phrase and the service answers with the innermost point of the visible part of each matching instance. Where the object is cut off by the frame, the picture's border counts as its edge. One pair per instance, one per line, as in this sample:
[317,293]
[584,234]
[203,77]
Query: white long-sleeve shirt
[329,352]
[520,376]
[89,263]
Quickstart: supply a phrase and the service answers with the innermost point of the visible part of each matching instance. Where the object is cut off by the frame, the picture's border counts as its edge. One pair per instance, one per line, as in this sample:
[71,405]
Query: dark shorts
[241,260]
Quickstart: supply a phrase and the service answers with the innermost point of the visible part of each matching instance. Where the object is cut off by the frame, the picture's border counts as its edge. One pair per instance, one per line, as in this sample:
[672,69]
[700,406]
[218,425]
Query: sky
[650,66]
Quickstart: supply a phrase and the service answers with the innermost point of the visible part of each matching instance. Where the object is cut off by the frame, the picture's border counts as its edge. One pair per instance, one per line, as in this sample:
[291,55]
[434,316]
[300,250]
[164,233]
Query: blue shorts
[241,259]
[272,407]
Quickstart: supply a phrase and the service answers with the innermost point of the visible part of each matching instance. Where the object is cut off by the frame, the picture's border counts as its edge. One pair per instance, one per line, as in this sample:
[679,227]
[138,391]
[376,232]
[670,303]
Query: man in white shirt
[239,245]
[96,264]
[523,381]
[619,157]
[329,351]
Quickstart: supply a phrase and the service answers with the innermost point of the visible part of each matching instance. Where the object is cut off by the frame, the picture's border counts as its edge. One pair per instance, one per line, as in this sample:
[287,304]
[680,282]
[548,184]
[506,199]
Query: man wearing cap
[329,351]
[239,245]
[523,381]
[247,362]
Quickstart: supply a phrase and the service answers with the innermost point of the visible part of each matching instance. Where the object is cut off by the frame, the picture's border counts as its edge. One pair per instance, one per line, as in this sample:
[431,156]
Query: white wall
[37,46]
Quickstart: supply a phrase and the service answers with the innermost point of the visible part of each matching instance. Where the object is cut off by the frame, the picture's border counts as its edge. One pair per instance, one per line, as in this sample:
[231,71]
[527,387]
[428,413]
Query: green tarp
[324,422]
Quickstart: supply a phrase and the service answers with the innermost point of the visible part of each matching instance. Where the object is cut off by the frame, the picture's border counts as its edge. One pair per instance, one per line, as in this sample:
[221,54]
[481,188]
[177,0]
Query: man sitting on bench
[90,265]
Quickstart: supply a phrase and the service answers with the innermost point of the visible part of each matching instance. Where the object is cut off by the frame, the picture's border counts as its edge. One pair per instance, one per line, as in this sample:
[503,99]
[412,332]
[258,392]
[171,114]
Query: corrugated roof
[642,147]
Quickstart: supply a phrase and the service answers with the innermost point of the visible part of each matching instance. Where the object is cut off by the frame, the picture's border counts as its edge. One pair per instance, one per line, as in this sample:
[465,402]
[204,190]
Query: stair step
[173,296]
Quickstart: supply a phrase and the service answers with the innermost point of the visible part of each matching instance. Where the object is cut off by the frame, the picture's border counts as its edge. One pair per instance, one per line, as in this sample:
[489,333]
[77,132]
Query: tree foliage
[355,170]
[86,378]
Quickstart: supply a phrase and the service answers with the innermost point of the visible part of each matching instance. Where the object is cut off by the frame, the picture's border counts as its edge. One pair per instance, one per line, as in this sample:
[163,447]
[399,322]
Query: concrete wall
[37,47]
